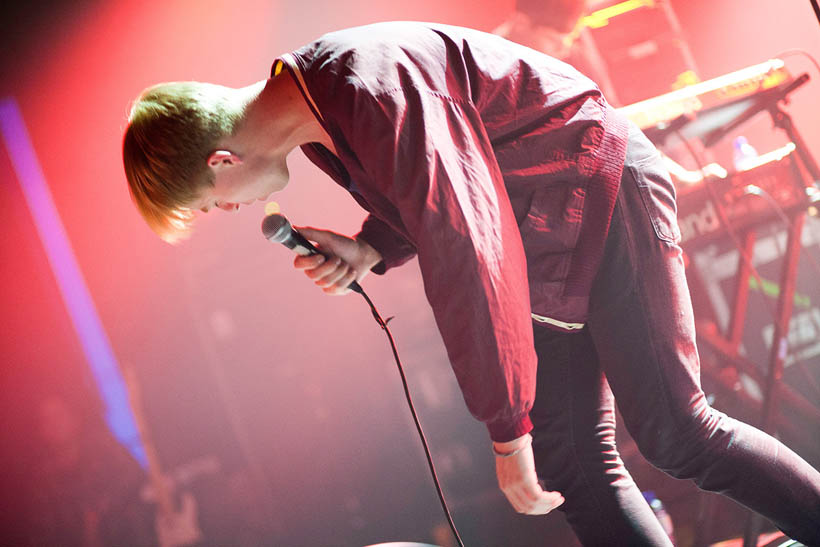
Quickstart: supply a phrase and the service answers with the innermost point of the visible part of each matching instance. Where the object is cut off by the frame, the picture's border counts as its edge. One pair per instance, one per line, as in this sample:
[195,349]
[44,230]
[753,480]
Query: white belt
[557,323]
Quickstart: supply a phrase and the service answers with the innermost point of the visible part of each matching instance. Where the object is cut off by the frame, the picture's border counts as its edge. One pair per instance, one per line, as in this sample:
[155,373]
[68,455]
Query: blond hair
[172,128]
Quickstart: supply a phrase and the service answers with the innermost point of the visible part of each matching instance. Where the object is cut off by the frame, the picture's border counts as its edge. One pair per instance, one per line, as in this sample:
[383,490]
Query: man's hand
[347,260]
[517,478]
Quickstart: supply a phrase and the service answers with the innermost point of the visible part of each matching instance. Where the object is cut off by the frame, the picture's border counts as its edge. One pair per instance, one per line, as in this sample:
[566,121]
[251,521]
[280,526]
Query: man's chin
[278,187]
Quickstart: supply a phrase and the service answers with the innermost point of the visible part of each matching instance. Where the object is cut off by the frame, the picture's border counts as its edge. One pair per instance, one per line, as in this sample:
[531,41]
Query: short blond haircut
[172,129]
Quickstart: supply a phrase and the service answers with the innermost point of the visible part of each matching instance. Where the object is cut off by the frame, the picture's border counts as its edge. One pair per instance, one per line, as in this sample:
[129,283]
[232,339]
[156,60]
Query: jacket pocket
[550,231]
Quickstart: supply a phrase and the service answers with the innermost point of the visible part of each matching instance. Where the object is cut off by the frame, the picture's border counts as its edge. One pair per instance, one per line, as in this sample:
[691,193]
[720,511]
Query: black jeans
[639,344]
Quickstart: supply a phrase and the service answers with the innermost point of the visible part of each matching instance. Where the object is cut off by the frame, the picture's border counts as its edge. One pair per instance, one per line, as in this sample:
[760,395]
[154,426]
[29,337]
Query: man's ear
[223,158]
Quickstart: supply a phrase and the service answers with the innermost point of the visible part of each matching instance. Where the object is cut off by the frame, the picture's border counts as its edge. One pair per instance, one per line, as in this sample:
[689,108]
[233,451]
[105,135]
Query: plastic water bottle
[744,154]
[661,514]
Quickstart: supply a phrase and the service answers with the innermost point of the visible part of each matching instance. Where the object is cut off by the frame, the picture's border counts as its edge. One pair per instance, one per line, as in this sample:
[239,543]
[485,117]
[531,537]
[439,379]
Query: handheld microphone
[277,229]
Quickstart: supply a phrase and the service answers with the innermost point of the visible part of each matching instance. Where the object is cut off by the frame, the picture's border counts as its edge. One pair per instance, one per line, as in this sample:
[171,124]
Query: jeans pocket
[658,196]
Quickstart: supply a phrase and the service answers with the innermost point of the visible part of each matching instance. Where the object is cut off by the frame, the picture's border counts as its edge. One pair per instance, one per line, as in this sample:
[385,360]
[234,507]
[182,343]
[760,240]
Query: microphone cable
[383,324]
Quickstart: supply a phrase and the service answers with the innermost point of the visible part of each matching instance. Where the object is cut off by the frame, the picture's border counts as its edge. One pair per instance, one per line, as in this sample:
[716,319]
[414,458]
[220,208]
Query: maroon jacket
[496,164]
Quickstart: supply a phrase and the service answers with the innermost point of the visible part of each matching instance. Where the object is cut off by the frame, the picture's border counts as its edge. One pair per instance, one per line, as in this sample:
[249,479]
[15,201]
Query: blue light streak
[76,297]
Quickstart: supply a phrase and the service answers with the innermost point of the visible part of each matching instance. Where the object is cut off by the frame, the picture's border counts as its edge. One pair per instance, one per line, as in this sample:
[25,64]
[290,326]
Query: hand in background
[344,260]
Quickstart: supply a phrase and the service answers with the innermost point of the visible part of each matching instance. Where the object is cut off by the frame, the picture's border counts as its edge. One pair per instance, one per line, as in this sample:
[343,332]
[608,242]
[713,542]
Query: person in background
[556,27]
[86,490]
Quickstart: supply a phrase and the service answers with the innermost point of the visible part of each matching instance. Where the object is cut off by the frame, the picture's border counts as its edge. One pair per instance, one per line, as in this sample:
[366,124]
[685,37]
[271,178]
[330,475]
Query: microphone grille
[276,228]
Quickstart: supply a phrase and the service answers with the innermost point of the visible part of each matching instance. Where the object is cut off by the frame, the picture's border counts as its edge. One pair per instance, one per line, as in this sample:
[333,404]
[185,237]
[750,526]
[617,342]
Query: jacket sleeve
[429,157]
[392,246]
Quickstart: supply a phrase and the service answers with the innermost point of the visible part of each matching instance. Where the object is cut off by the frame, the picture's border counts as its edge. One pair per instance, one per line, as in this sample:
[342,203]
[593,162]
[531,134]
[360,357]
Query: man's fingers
[542,505]
[521,496]
[545,504]
[532,491]
[314,234]
[341,285]
[535,492]
[334,275]
[529,498]
[308,262]
[325,238]
[521,503]
[327,268]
